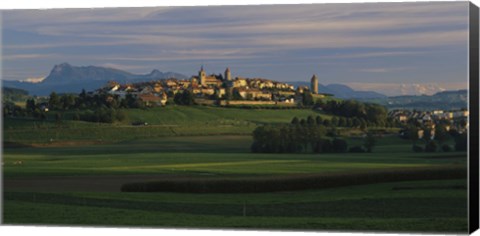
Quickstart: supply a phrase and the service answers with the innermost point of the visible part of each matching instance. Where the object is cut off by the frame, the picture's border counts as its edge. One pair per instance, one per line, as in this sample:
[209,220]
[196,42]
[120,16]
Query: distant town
[216,89]
[224,90]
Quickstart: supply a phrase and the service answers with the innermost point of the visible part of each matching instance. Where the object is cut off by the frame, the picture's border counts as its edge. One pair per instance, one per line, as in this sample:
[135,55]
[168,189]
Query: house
[152,100]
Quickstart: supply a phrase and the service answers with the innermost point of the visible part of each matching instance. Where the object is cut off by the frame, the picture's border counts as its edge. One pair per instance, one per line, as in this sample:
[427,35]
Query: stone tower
[228,75]
[314,84]
[202,76]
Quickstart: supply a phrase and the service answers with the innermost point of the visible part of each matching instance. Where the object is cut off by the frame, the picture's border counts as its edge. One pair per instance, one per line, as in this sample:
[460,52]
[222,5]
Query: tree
[76,116]
[357,149]
[363,124]
[348,122]
[441,134]
[187,98]
[319,120]
[417,148]
[413,133]
[30,105]
[319,104]
[303,122]
[376,113]
[369,142]
[446,148]
[310,120]
[340,145]
[342,122]
[295,121]
[431,146]
[54,101]
[461,142]
[83,95]
[355,122]
[334,121]
[427,134]
[184,98]
[307,99]
[326,122]
[58,118]
[67,101]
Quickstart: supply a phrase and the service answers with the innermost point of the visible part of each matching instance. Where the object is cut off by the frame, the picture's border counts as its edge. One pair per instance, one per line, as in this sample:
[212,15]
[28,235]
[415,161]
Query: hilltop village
[224,90]
[216,89]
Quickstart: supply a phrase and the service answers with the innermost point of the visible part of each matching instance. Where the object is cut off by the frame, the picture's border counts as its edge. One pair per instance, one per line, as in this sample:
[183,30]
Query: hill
[65,78]
[13,94]
[342,91]
[446,100]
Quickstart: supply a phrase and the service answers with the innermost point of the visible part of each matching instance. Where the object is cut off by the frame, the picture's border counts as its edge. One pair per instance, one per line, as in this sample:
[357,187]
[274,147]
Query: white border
[81,231]
[49,4]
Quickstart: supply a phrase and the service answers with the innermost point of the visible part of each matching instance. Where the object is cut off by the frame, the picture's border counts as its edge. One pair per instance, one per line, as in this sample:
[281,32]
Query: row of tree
[102,114]
[288,138]
[87,101]
[432,140]
[339,122]
[373,113]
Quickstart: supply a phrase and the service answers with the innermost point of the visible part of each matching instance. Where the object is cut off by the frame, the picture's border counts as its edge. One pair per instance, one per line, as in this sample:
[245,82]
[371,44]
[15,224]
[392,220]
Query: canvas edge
[473,194]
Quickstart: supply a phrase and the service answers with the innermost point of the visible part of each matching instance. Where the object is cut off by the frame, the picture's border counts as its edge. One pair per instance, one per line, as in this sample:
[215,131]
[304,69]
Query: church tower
[314,84]
[202,76]
[228,75]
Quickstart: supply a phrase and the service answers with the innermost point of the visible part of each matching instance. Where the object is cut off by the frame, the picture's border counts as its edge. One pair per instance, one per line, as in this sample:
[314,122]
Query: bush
[256,147]
[417,148]
[431,146]
[461,142]
[120,115]
[446,148]
[323,146]
[339,145]
[357,149]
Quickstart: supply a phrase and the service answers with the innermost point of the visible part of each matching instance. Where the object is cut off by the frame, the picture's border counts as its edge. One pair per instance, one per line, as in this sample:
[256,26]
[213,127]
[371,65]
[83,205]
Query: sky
[393,48]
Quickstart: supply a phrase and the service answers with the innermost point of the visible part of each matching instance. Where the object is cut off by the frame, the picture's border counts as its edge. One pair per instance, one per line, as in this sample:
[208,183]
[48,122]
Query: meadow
[164,121]
[76,177]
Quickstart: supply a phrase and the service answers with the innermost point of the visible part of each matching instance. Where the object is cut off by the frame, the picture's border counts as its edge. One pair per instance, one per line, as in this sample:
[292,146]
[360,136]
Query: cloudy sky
[393,48]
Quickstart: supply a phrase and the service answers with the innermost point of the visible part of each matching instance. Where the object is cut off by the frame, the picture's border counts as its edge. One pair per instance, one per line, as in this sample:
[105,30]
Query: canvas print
[324,117]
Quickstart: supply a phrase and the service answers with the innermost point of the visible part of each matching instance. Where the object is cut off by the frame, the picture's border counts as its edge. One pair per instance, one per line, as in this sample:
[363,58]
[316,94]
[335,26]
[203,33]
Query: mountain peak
[62,65]
[60,68]
[156,72]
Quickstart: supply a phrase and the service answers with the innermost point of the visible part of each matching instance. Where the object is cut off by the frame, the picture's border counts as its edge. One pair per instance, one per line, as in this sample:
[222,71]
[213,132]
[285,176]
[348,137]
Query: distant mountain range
[65,78]
[342,91]
[446,100]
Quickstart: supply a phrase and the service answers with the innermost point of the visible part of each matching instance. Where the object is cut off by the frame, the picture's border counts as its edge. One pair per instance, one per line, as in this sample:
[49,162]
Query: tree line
[298,138]
[353,122]
[434,139]
[370,113]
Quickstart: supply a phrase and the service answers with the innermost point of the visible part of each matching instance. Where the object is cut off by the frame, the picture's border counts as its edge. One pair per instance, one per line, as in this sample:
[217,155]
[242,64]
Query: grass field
[75,177]
[433,206]
[162,121]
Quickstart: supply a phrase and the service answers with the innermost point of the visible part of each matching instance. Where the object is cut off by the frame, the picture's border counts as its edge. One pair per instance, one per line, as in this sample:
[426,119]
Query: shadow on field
[294,182]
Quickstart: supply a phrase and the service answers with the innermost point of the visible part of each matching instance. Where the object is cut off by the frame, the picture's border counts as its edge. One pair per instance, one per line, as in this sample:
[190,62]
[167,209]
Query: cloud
[124,67]
[383,70]
[320,25]
[375,70]
[34,80]
[297,37]
[13,57]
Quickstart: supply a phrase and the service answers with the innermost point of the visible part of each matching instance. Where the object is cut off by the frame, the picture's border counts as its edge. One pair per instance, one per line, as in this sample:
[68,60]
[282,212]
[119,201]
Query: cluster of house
[214,87]
[456,119]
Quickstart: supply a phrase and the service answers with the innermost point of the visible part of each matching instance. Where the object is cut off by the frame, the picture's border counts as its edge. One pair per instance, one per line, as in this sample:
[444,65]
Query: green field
[75,178]
[162,121]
